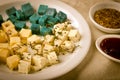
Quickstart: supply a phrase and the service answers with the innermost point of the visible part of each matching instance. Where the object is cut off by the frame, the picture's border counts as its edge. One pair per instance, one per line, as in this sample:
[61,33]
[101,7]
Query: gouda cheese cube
[4,53]
[12,62]
[14,40]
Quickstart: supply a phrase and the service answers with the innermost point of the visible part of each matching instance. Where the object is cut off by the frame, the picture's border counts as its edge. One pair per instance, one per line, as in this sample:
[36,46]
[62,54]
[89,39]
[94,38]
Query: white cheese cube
[48,48]
[74,35]
[57,42]
[49,39]
[34,39]
[24,66]
[38,47]
[52,58]
[68,46]
[39,61]
[27,56]
[62,35]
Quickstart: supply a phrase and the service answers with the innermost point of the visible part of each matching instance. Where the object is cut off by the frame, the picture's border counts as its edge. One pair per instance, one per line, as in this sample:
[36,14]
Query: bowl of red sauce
[109,46]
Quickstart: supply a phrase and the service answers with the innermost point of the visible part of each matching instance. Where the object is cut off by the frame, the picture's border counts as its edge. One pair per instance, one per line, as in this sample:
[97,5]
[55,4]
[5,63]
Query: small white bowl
[100,39]
[102,5]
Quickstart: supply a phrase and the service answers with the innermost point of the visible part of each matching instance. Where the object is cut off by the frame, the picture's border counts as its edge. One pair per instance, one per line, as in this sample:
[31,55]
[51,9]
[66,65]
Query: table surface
[95,66]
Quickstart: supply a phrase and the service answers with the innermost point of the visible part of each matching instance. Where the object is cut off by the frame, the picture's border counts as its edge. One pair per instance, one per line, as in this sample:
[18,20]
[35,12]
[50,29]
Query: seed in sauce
[109,18]
[111,46]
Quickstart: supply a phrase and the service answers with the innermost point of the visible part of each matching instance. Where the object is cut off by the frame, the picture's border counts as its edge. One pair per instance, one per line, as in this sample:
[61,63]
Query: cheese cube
[62,35]
[12,32]
[49,39]
[39,61]
[7,25]
[22,49]
[12,61]
[57,42]
[48,48]
[27,56]
[38,47]
[68,46]
[52,58]
[24,66]
[4,45]
[36,68]
[74,35]
[3,36]
[34,39]
[14,40]
[4,53]
[25,33]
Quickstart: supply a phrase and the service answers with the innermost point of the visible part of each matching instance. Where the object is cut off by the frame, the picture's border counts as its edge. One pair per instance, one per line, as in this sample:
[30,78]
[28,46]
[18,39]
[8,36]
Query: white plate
[69,61]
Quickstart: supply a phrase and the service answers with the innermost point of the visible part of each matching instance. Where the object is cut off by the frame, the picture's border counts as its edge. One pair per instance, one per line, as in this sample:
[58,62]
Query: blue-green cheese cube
[35,28]
[42,20]
[52,21]
[1,19]
[61,16]
[42,9]
[34,18]
[20,15]
[27,10]
[51,12]
[11,11]
[20,24]
[45,30]
[12,18]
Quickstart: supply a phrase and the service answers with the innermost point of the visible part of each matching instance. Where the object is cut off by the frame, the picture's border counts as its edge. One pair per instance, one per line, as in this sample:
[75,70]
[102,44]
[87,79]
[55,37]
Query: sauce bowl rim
[100,39]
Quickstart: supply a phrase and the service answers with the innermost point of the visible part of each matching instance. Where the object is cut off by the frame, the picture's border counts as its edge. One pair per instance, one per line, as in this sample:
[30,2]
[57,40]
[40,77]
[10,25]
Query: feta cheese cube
[24,66]
[74,35]
[27,56]
[52,58]
[68,46]
[4,53]
[49,39]
[48,48]
[12,61]
[38,47]
[39,61]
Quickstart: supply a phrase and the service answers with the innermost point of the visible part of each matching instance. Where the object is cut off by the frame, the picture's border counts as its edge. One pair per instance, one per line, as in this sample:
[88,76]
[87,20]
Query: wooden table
[95,66]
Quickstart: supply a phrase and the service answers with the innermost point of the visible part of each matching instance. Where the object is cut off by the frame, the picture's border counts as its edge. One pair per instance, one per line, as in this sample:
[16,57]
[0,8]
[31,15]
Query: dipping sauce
[109,18]
[111,46]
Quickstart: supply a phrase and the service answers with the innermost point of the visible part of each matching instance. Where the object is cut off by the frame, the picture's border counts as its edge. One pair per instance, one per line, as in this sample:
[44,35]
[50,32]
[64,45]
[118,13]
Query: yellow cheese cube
[4,53]
[12,32]
[7,25]
[12,61]
[24,34]
[4,45]
[14,40]
[34,39]
[3,36]
[24,67]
